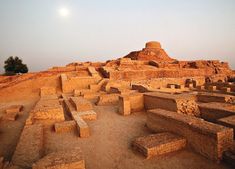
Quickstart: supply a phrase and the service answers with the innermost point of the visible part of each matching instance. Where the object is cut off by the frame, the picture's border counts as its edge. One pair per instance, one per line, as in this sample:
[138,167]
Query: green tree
[14,65]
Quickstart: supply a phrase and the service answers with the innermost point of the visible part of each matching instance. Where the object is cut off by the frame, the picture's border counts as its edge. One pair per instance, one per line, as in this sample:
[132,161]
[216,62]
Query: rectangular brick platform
[81,104]
[181,103]
[65,126]
[88,115]
[159,144]
[205,138]
[124,105]
[30,146]
[68,159]
[83,128]
[108,99]
[214,97]
[228,121]
[213,111]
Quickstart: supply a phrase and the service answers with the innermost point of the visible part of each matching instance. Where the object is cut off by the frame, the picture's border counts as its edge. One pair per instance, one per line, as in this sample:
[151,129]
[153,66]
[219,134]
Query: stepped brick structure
[93,113]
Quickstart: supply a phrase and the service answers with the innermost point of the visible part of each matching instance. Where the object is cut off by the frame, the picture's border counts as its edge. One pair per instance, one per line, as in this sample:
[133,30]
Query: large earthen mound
[152,51]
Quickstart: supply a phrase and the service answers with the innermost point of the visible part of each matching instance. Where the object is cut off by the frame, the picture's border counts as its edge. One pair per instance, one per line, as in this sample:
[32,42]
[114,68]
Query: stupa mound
[152,51]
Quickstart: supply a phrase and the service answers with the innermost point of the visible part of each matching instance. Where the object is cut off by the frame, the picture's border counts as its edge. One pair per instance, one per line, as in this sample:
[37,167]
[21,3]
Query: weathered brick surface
[88,115]
[48,110]
[81,104]
[65,126]
[214,97]
[228,121]
[68,159]
[137,102]
[83,128]
[124,105]
[181,103]
[30,146]
[108,99]
[213,111]
[159,144]
[205,138]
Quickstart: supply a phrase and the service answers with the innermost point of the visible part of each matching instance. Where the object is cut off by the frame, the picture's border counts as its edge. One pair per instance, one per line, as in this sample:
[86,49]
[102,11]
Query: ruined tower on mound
[152,51]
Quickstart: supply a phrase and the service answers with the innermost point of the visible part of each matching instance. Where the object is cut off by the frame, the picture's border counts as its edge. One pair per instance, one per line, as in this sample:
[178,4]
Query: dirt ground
[108,147]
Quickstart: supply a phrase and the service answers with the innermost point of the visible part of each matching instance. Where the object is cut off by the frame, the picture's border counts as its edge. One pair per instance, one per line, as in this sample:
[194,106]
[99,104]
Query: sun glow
[64,12]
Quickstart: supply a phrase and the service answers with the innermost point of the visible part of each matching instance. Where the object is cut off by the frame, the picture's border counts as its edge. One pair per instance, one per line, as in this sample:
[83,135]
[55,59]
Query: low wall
[205,138]
[214,111]
[181,103]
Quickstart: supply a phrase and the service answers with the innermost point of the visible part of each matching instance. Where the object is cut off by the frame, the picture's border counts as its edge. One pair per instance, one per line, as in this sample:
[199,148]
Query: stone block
[81,104]
[159,144]
[181,103]
[214,97]
[228,122]
[64,127]
[88,115]
[67,159]
[108,99]
[205,138]
[137,102]
[213,111]
[124,105]
[83,128]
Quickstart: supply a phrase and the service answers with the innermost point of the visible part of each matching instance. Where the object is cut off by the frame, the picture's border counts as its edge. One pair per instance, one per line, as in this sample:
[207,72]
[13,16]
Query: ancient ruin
[144,110]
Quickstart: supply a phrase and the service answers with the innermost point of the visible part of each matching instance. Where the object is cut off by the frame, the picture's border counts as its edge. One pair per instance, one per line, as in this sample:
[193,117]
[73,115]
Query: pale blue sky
[104,29]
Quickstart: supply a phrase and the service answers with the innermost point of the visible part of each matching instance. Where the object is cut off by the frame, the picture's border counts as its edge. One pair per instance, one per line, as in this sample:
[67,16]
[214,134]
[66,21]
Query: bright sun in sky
[64,12]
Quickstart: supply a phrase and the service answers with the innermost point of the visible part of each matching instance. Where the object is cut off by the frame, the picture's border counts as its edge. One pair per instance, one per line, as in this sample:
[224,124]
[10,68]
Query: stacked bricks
[159,144]
[213,111]
[205,138]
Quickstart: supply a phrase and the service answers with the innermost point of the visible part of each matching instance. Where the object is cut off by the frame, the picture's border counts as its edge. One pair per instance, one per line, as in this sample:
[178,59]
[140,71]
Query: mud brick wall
[158,73]
[81,104]
[207,139]
[73,83]
[124,107]
[108,99]
[65,126]
[137,102]
[48,110]
[163,82]
[30,146]
[214,97]
[214,111]
[181,103]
